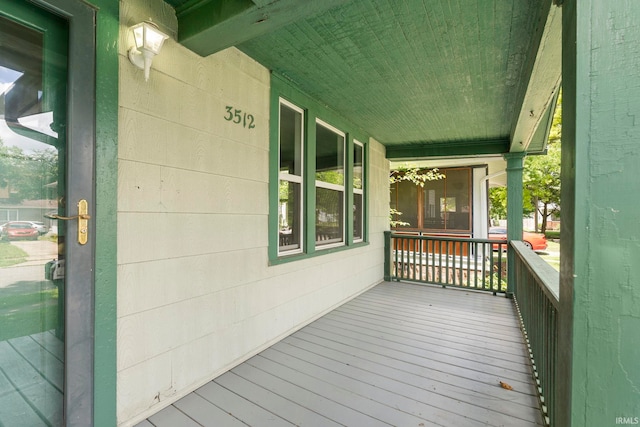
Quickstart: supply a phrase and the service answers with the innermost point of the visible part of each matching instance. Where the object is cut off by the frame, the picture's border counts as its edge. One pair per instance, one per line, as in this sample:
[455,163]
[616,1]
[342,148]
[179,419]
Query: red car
[19,230]
[536,241]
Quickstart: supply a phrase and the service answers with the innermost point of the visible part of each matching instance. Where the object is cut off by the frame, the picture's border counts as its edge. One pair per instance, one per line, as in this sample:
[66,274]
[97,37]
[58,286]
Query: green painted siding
[408,71]
[600,273]
[106,225]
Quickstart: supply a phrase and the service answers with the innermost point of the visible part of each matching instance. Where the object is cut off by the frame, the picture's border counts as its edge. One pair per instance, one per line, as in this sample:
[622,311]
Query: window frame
[360,191]
[332,243]
[283,89]
[285,176]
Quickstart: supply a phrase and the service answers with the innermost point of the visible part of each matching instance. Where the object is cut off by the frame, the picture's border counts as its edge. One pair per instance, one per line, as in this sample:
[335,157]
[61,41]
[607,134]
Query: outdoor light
[148,42]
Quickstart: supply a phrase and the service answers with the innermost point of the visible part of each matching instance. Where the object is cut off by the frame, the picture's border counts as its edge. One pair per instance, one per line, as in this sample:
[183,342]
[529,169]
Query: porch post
[599,369]
[515,163]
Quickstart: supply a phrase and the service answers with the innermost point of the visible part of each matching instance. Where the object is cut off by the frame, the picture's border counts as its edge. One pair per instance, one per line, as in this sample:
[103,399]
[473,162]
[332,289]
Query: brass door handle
[83,221]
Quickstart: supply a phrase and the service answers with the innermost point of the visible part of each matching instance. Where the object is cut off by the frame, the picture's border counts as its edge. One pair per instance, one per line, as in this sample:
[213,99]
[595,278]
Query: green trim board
[106,160]
[283,89]
[417,150]
[209,26]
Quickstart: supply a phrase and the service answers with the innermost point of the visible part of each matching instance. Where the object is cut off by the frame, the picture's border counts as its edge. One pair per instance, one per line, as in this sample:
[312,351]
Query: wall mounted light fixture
[148,42]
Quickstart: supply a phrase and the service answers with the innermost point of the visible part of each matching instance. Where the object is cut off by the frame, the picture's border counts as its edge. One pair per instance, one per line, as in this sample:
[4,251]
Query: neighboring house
[243,190]
[455,205]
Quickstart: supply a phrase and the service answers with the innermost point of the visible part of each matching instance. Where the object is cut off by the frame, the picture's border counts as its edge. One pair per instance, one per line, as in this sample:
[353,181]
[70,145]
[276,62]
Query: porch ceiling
[424,77]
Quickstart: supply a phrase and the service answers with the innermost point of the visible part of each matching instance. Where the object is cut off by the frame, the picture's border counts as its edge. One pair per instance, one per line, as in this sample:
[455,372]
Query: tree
[542,173]
[541,180]
[27,174]
[412,174]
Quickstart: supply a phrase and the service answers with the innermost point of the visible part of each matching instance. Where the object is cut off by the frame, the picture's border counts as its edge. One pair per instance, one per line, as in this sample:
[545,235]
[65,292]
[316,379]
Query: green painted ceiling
[424,77]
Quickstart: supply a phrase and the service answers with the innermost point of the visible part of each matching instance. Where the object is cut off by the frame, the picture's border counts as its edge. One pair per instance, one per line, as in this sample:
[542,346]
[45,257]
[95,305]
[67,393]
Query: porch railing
[447,261]
[537,300]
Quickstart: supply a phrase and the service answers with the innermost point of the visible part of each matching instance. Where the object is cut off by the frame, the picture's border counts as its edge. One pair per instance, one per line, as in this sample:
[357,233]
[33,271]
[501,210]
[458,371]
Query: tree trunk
[545,215]
[535,217]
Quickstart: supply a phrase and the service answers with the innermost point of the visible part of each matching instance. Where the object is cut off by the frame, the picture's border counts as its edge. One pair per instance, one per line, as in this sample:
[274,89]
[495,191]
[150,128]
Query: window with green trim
[321,174]
[330,195]
[358,191]
[291,191]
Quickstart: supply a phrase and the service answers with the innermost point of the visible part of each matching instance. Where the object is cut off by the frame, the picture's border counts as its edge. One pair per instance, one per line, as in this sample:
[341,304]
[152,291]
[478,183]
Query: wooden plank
[479,328]
[469,335]
[205,413]
[51,343]
[391,357]
[399,354]
[44,362]
[421,400]
[455,307]
[425,337]
[271,401]
[250,413]
[16,412]
[172,417]
[376,345]
[297,388]
[474,355]
[354,397]
[40,394]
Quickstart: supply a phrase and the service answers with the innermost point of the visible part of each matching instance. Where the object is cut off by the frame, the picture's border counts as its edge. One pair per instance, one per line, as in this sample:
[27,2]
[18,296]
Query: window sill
[283,259]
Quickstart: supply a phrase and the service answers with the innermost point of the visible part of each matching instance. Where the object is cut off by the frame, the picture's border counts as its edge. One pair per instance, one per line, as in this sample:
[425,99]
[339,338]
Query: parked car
[16,230]
[536,241]
[40,226]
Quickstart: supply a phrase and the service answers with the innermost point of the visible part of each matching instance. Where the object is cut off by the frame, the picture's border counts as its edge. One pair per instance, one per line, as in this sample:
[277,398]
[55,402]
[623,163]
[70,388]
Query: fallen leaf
[505,386]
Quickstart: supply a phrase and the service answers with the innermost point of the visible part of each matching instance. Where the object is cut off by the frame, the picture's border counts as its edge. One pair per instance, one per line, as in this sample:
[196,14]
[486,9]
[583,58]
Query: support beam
[542,88]
[208,26]
[417,150]
[515,165]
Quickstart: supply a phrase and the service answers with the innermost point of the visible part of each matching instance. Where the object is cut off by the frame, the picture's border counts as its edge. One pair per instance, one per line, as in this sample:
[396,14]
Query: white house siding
[196,295]
[480,203]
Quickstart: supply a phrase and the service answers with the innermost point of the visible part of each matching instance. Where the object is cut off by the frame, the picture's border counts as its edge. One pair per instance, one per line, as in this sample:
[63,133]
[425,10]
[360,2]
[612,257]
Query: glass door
[32,186]
[44,246]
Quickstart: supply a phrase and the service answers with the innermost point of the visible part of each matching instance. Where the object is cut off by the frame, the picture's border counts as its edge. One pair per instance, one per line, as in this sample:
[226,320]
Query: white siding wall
[480,203]
[195,293]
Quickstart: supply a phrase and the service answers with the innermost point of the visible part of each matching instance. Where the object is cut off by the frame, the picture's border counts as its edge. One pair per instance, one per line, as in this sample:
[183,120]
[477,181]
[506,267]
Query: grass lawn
[27,308]
[11,255]
[552,254]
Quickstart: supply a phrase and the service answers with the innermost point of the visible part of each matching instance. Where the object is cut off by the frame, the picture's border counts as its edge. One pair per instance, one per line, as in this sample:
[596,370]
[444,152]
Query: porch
[399,354]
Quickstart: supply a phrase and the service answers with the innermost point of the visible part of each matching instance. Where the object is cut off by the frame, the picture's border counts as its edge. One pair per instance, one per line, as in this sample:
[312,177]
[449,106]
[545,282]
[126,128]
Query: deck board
[399,354]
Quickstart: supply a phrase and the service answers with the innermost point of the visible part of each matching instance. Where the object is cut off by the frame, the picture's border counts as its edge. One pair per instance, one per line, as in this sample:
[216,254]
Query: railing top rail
[444,239]
[548,278]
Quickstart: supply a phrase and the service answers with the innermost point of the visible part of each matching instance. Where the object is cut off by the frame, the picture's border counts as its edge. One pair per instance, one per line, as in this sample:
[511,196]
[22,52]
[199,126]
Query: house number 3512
[239,117]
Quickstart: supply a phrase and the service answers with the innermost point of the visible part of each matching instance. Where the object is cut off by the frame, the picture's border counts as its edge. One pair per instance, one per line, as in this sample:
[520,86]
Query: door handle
[83,218]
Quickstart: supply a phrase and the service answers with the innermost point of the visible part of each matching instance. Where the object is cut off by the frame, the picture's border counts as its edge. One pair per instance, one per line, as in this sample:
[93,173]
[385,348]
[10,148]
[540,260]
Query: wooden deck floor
[31,381]
[400,354]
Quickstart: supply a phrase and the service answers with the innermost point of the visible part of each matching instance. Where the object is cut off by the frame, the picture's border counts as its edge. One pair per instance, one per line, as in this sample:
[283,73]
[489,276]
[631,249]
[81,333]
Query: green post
[599,351]
[515,163]
[387,256]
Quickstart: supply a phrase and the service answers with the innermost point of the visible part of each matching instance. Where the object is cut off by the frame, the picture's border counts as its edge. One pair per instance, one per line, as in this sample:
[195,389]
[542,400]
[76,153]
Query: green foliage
[498,202]
[541,179]
[542,173]
[26,174]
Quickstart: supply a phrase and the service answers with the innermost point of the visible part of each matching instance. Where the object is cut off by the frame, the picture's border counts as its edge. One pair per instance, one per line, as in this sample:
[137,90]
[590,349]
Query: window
[290,187]
[358,191]
[330,144]
[317,182]
[442,205]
